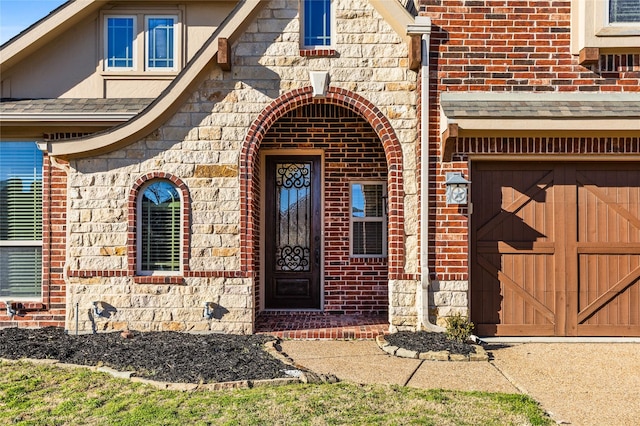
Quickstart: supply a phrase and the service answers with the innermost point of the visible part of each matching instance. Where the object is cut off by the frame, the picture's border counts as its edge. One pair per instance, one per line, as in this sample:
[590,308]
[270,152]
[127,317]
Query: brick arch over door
[249,172]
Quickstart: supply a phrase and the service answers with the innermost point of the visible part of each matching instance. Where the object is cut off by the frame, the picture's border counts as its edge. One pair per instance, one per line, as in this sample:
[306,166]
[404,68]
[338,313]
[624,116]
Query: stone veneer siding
[498,46]
[212,146]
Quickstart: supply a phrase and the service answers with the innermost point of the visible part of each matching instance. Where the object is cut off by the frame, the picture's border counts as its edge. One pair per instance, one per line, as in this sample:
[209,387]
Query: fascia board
[468,125]
[168,103]
[395,14]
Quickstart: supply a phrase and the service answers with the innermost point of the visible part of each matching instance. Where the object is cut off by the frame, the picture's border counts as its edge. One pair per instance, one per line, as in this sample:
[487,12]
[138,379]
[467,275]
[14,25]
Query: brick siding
[506,46]
[352,153]
[50,311]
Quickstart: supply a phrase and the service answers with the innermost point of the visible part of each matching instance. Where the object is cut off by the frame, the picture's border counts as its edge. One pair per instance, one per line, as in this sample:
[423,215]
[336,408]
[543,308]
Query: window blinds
[20,219]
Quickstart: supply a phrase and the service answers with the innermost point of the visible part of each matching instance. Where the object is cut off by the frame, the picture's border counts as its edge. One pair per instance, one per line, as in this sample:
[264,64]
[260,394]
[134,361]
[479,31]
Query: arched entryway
[346,153]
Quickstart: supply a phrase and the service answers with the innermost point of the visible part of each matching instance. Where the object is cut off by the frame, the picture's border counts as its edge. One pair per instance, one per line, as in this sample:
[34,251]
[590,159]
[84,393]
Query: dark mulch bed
[163,356]
[424,341]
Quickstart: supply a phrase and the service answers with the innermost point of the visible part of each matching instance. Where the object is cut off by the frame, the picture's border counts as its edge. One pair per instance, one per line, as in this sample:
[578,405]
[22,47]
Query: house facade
[203,163]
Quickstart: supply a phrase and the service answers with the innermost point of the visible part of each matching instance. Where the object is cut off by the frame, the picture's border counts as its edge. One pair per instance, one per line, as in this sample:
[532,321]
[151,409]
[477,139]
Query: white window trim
[134,52]
[139,270]
[140,43]
[382,219]
[332,23]
[29,243]
[608,22]
[590,27]
[176,47]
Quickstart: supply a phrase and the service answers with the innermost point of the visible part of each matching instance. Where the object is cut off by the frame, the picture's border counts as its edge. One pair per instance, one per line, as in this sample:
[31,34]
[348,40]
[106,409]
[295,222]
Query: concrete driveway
[577,383]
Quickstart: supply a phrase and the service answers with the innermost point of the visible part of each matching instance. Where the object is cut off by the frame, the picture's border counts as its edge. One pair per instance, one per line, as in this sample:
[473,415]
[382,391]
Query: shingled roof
[455,107]
[73,106]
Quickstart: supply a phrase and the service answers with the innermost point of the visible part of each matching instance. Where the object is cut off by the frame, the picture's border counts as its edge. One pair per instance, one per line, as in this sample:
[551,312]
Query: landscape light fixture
[209,308]
[11,310]
[98,309]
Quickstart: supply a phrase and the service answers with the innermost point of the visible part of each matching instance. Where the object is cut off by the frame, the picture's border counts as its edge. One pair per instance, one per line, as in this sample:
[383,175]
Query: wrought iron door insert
[292,232]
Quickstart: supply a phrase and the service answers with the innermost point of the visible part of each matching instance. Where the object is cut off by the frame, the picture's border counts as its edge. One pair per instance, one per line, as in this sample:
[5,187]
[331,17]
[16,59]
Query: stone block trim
[212,144]
[161,306]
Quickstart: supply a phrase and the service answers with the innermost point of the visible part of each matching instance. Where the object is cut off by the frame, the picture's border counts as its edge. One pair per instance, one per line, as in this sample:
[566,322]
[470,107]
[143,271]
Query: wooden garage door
[555,249]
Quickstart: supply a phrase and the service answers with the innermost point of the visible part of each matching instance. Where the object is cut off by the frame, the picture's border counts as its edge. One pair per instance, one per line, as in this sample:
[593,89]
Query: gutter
[422,27]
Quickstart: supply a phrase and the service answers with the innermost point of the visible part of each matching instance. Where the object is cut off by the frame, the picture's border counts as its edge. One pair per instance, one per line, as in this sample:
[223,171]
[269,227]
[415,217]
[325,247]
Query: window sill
[368,259]
[26,305]
[158,279]
[318,53]
[127,75]
[619,31]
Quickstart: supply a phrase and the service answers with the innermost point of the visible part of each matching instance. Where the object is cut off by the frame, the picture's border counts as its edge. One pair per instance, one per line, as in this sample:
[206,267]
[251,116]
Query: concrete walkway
[577,383]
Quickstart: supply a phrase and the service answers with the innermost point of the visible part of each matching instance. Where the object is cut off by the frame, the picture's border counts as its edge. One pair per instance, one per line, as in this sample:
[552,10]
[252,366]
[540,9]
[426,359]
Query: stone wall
[200,146]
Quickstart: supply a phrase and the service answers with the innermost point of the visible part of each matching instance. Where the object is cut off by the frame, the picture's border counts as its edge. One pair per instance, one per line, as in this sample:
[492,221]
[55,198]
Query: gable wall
[201,146]
[74,64]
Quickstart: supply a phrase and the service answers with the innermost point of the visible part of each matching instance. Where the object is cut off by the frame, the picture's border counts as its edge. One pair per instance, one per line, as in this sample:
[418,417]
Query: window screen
[20,220]
[159,228]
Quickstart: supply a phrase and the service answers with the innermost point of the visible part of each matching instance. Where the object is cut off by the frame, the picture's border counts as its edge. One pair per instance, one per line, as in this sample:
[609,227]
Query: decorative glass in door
[292,232]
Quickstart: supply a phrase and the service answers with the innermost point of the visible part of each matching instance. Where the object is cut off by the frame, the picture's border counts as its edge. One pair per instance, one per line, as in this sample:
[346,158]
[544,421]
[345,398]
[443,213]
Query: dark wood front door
[293,249]
[555,249]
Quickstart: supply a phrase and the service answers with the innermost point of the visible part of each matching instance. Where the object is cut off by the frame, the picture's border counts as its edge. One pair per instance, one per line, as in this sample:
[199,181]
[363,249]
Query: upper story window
[368,220]
[160,42]
[159,228]
[20,220]
[129,47]
[624,11]
[317,23]
[120,42]
[605,26]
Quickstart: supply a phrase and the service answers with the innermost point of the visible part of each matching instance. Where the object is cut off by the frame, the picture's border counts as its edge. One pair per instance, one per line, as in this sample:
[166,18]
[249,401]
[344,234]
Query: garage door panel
[531,302]
[487,296]
[513,284]
[609,286]
[517,212]
[562,246]
[608,211]
[608,206]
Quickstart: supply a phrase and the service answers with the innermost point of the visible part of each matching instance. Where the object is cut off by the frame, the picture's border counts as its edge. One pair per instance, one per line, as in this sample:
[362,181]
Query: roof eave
[169,101]
[45,30]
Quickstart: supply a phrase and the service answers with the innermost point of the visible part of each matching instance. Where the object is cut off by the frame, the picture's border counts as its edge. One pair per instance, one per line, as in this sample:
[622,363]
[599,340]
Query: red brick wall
[353,152]
[501,46]
[50,311]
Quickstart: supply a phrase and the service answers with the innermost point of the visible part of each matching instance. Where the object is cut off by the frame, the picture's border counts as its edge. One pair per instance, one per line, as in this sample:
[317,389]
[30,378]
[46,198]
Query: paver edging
[479,355]
[271,347]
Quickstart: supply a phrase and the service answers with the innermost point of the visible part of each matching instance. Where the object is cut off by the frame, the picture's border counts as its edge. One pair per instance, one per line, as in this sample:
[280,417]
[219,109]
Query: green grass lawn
[48,395]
